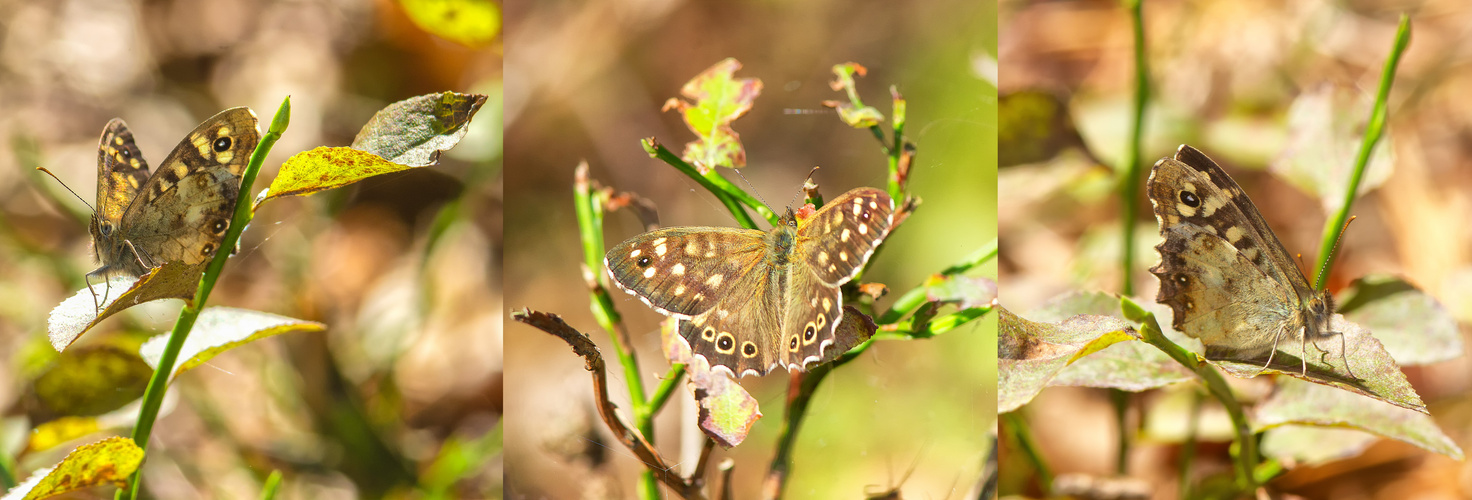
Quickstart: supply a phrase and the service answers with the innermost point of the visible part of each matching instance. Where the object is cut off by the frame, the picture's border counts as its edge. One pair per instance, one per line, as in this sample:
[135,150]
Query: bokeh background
[1253,84]
[401,396]
[585,81]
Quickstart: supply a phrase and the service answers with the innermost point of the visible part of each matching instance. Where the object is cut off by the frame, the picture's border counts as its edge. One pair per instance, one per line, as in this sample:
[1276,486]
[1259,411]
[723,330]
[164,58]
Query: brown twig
[583,346]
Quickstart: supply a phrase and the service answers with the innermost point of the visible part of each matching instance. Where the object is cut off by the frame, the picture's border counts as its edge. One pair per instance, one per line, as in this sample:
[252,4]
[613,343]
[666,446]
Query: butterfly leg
[1271,353]
[1343,354]
[139,255]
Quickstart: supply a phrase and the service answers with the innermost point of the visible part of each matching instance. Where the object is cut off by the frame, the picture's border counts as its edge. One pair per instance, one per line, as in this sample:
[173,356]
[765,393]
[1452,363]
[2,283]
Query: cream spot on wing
[715,280]
[679,290]
[863,229]
[722,313]
[1234,233]
[659,250]
[1250,253]
[1211,229]
[822,257]
[180,170]
[118,140]
[873,204]
[649,273]
[659,241]
[827,303]
[692,248]
[636,252]
[1211,203]
[858,207]
[843,256]
[832,268]
[133,181]
[678,269]
[698,297]
[844,235]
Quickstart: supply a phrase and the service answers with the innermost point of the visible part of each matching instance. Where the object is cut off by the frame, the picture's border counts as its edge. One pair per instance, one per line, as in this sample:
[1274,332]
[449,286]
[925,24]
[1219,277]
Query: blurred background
[1278,94]
[585,81]
[401,397]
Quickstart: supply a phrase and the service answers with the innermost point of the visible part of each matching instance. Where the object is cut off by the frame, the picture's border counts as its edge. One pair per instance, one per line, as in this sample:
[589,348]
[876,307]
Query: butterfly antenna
[68,188]
[1334,249]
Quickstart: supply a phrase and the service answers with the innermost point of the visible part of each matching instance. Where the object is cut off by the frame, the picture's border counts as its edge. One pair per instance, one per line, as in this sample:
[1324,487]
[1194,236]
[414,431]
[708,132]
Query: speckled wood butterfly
[750,301]
[1224,274]
[182,210]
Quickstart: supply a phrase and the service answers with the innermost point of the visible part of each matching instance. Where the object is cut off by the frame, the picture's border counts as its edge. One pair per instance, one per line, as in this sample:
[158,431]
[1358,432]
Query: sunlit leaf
[109,461]
[406,134]
[1413,326]
[1370,371]
[1130,366]
[220,329]
[853,113]
[718,99]
[77,314]
[1297,402]
[472,23]
[1030,354]
[61,430]
[1325,126]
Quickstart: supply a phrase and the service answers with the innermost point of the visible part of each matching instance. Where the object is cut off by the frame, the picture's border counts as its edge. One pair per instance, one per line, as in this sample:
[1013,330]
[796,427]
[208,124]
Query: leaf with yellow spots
[88,380]
[79,313]
[220,329]
[109,461]
[61,430]
[406,134]
[719,100]
[472,23]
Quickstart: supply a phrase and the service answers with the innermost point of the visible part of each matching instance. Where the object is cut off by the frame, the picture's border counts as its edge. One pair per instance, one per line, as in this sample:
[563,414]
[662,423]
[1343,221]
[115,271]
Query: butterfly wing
[182,211]
[1223,272]
[121,173]
[837,240]
[719,282]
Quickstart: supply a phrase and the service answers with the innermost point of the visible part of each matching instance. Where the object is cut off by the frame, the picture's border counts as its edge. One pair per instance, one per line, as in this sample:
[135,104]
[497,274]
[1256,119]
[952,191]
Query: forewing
[182,212]
[1224,208]
[684,271]
[1219,296]
[837,240]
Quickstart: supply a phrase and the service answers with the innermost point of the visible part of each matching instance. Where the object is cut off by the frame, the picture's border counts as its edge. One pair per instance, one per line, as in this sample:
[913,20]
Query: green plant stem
[589,208]
[1151,333]
[153,396]
[667,387]
[797,410]
[896,188]
[1130,183]
[729,195]
[915,297]
[1120,400]
[1374,130]
[1017,427]
[7,472]
[272,485]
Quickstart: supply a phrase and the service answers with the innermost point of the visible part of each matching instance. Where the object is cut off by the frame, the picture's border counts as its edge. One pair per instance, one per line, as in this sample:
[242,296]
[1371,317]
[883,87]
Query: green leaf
[718,99]
[220,329]
[856,116]
[79,313]
[1371,371]
[111,460]
[1413,326]
[406,134]
[727,411]
[54,433]
[1033,126]
[1030,354]
[472,23]
[90,380]
[1130,366]
[1296,402]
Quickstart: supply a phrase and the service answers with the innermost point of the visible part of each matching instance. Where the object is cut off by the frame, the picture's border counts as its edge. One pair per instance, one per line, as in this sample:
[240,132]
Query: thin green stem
[667,387]
[896,188]
[153,396]
[729,195]
[1120,400]
[1373,131]
[1151,333]
[912,299]
[1021,434]
[1130,181]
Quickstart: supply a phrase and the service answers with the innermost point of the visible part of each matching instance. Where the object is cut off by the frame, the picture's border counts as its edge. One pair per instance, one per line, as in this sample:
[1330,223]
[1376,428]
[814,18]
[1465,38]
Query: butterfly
[181,212]
[1224,274]
[750,301]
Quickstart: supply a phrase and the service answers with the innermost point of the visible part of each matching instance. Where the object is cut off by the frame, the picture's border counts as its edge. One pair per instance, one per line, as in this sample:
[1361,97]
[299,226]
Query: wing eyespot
[1190,199]
[221,145]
